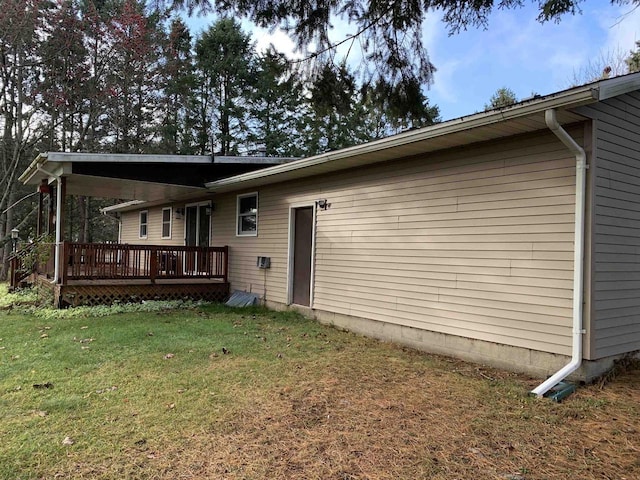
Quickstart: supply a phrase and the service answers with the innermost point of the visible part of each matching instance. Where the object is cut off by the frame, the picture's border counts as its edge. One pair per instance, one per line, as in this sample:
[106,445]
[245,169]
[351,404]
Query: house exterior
[97,273]
[509,237]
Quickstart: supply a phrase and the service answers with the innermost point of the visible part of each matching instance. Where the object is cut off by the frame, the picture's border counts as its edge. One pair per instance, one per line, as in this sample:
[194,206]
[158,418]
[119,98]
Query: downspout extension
[578,259]
[56,270]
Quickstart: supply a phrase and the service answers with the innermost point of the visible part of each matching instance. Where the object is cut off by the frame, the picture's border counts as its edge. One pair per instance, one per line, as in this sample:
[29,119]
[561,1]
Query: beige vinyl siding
[616,241]
[475,242]
[130,232]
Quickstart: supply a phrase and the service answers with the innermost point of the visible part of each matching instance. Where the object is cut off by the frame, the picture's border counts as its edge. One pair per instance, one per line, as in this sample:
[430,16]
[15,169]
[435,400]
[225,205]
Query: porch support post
[43,184]
[50,213]
[60,197]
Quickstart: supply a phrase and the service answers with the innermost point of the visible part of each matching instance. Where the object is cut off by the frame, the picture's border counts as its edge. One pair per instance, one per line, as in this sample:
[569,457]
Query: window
[144,220]
[166,222]
[247,214]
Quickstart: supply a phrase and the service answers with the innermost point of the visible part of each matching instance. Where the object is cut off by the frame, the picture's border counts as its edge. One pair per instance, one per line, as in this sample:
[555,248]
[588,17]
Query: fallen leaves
[108,389]
[68,441]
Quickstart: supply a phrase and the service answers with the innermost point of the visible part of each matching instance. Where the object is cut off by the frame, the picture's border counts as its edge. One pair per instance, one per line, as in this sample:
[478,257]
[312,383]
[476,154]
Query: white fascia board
[125,158]
[40,168]
[32,168]
[568,98]
[121,206]
[618,86]
[153,158]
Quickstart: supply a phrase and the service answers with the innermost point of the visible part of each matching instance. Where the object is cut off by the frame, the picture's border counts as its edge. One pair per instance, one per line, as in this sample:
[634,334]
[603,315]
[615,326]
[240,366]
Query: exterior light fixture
[14,238]
[322,204]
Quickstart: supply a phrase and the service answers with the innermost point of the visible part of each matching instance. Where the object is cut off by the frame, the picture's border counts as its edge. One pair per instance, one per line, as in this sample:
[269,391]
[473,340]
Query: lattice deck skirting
[107,294]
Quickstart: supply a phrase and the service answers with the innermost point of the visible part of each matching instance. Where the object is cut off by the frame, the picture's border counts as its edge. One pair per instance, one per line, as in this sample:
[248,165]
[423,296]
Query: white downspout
[56,270]
[578,248]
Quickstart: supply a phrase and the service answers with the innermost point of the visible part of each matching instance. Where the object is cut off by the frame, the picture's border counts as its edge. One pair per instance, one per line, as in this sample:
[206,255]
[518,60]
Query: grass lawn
[150,395]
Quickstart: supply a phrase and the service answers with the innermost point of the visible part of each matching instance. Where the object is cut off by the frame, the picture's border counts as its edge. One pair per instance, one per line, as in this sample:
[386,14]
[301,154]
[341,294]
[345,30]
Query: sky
[514,51]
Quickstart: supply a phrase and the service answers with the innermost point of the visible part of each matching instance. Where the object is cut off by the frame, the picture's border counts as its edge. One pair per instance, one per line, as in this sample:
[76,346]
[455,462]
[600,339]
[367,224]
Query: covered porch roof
[139,177]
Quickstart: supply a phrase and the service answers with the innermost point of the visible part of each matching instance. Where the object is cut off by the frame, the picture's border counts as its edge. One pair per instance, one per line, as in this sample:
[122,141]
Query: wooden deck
[98,274]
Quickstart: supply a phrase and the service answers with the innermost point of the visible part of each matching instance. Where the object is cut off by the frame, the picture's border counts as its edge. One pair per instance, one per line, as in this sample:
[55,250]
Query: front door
[197,231]
[302,255]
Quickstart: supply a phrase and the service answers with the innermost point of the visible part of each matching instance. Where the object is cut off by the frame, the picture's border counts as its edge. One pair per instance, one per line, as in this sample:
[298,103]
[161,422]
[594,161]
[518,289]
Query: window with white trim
[166,222]
[247,214]
[144,223]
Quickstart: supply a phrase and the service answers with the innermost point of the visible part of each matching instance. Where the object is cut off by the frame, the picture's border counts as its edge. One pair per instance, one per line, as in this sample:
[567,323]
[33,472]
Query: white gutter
[59,200]
[578,248]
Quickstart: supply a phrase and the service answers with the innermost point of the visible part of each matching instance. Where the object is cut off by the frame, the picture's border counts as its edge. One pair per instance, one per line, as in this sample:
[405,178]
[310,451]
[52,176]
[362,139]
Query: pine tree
[224,56]
[274,109]
[132,78]
[65,74]
[178,84]
[503,97]
[633,60]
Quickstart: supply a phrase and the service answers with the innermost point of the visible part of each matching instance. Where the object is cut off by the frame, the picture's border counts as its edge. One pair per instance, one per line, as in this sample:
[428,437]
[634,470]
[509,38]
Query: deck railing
[33,257]
[93,261]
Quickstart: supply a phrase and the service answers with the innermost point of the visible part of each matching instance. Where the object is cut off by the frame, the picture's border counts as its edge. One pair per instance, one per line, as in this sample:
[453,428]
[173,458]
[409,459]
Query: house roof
[147,177]
[525,116]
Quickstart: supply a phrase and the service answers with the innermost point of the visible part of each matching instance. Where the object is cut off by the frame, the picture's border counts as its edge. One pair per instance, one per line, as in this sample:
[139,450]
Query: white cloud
[278,38]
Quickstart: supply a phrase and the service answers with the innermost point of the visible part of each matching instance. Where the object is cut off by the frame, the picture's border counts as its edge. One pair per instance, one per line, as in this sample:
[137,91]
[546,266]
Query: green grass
[150,394]
[113,387]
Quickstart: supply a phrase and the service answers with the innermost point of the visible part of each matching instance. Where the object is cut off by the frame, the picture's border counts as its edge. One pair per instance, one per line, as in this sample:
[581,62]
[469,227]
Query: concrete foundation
[532,362]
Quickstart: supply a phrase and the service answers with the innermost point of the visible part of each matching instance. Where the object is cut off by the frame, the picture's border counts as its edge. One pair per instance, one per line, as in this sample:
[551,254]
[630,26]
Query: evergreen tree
[633,60]
[391,108]
[64,76]
[332,121]
[134,92]
[274,110]
[503,97]
[21,122]
[224,56]
[389,33]
[178,83]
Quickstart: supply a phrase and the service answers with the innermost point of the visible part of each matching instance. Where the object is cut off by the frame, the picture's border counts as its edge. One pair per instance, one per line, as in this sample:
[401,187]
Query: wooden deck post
[12,272]
[226,263]
[153,264]
[64,264]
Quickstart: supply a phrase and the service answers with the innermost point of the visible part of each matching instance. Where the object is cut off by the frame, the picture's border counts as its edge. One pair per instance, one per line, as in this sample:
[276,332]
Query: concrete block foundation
[536,363]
